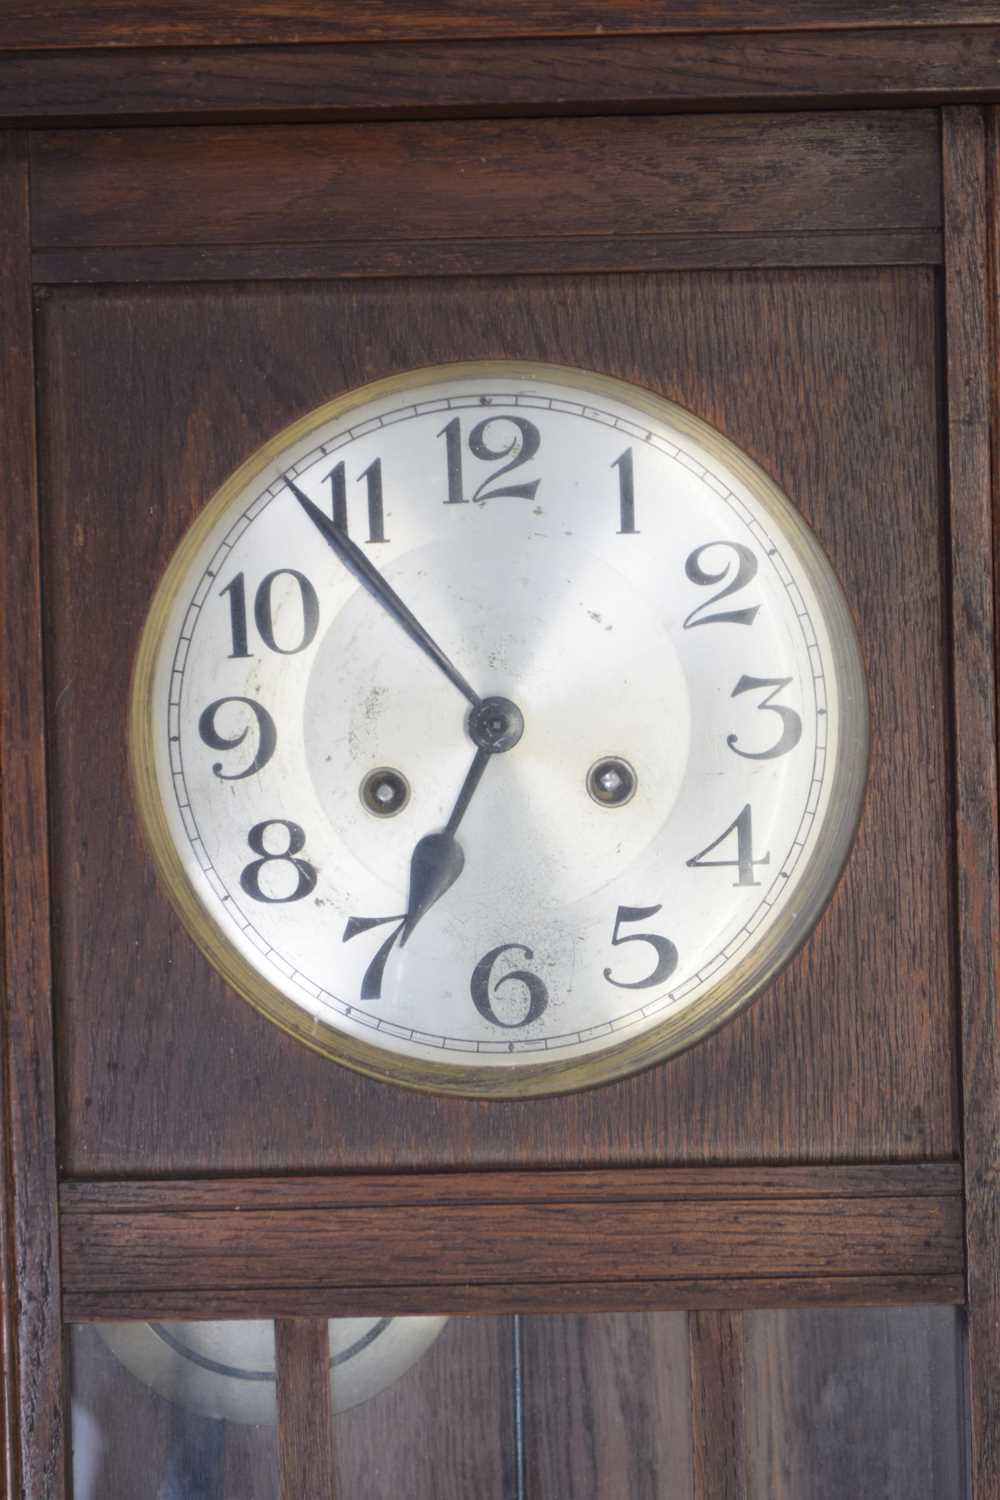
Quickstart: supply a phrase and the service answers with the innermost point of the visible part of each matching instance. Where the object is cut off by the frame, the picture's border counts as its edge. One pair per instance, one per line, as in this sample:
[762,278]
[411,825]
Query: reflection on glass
[831,1404]
[186,1411]
[851,1402]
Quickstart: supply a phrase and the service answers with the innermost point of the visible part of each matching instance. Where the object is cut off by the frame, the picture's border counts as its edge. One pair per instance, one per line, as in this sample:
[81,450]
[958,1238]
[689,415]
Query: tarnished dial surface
[227,1370]
[499,729]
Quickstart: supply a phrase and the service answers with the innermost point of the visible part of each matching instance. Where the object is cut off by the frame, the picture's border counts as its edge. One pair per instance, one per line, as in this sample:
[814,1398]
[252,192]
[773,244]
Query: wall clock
[499,729]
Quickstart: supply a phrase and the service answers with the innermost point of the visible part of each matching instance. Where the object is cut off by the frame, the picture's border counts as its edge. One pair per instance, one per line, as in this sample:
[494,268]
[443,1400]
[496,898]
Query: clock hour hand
[370,578]
[437,860]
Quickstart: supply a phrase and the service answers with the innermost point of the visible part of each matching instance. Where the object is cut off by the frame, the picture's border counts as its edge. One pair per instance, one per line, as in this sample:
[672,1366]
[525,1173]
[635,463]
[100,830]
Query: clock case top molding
[846,251]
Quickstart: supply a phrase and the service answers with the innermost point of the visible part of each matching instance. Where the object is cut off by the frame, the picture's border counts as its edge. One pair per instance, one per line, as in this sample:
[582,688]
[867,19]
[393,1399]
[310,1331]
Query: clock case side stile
[32,1423]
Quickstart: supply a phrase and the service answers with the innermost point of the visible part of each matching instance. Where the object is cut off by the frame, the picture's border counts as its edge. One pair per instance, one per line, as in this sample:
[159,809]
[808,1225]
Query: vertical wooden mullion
[968,412]
[718,1409]
[33,1365]
[305,1409]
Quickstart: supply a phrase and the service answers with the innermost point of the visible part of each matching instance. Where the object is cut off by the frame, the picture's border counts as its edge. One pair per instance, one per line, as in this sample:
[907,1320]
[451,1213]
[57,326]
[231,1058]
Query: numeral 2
[746,569]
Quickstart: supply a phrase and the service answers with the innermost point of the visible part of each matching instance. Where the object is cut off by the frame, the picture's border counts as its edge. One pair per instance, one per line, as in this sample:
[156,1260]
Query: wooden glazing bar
[305,1409]
[33,1331]
[545,76]
[164,23]
[969,362]
[715,1345]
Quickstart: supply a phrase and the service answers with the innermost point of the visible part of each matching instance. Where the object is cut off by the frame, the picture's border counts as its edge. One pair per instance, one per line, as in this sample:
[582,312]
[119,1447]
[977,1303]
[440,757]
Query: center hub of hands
[495,724]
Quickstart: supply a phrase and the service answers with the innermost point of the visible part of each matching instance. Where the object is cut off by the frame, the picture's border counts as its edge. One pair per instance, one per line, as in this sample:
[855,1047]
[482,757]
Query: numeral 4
[744,861]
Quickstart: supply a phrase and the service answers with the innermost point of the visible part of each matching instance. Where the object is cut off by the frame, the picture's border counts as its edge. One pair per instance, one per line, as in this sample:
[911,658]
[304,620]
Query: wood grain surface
[150,398]
[970,375]
[607,1406]
[492,179]
[495,1245]
[621,75]
[719,1184]
[854,1402]
[680,1295]
[718,1405]
[29,1263]
[498,258]
[116,23]
[305,1408]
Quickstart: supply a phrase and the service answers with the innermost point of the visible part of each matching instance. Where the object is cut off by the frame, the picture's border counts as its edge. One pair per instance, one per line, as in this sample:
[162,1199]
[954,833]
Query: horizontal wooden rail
[435,1189]
[337,261]
[506,1241]
[576,179]
[627,74]
[118,23]
[684,1294]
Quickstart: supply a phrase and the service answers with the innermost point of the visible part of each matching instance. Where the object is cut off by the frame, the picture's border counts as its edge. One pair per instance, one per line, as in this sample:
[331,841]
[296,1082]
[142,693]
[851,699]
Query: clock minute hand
[370,578]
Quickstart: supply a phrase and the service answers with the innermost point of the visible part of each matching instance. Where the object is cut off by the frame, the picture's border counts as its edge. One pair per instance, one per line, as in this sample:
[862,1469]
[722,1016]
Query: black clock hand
[437,860]
[370,578]
[495,726]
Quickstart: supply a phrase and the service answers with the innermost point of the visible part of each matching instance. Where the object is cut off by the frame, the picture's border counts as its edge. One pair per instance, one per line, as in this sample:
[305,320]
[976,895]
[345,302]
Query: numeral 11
[338,488]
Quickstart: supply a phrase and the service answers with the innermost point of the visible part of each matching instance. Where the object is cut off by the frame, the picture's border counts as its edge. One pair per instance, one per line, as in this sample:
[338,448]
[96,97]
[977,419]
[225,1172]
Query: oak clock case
[499,729]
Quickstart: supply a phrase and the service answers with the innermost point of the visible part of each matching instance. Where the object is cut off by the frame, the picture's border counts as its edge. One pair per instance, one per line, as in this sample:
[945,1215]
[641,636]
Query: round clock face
[499,729]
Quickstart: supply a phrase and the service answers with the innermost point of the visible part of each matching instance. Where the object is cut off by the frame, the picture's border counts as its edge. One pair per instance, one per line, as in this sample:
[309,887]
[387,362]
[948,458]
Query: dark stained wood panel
[623,74]
[851,1402]
[506,179]
[830,380]
[444,1431]
[116,23]
[353,1247]
[607,1407]
[30,1334]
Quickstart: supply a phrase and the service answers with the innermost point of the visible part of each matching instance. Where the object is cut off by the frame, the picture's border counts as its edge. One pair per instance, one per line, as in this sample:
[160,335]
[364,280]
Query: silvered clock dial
[499,729]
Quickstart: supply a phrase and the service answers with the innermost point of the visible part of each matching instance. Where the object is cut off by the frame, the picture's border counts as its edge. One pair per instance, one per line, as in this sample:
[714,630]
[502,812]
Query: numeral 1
[626,492]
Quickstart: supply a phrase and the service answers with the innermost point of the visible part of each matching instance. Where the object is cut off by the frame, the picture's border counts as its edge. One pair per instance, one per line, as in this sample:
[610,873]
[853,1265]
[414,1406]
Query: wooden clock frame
[854,146]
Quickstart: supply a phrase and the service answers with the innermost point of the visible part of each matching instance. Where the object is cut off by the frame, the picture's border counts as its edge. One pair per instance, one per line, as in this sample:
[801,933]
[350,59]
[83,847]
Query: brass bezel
[676,1033]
